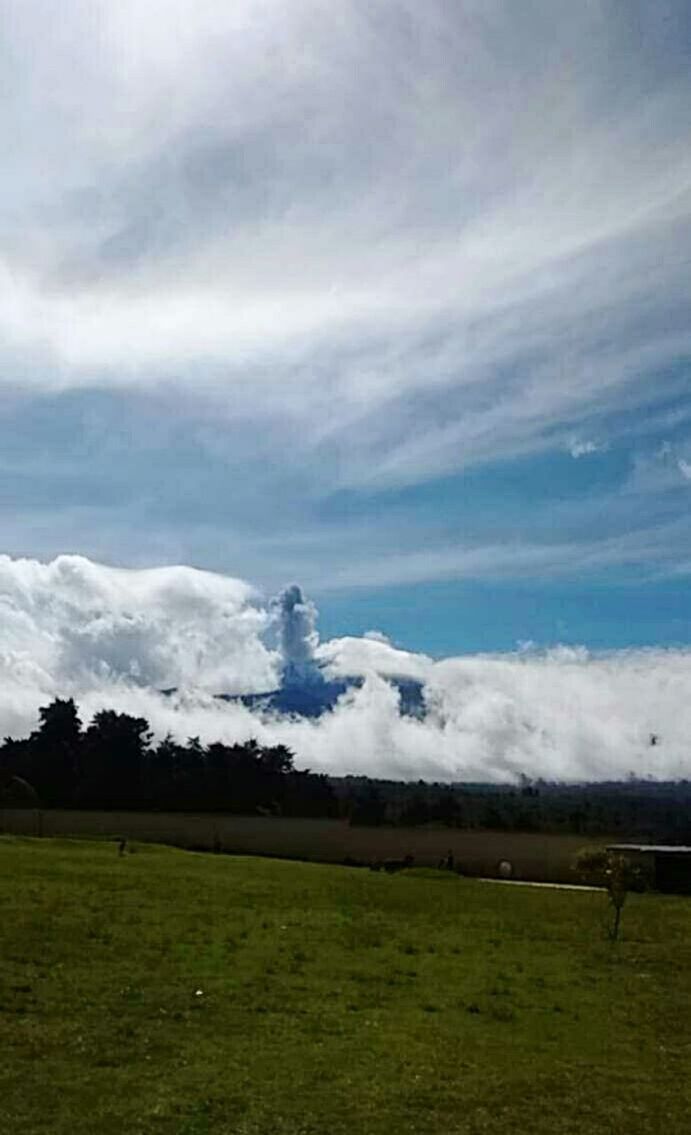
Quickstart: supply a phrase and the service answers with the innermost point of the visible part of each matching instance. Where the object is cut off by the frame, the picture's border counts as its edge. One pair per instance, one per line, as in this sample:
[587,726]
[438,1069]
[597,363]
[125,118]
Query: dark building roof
[670,864]
[656,848]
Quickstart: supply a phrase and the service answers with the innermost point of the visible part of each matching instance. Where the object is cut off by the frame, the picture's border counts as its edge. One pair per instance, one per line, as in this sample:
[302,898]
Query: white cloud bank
[114,637]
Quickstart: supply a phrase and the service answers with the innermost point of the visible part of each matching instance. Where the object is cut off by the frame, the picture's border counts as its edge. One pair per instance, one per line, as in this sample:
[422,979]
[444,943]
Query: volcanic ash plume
[298,638]
[308,687]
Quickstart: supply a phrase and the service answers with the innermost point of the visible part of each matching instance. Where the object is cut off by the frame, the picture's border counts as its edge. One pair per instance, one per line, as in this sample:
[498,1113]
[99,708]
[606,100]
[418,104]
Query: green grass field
[179,994]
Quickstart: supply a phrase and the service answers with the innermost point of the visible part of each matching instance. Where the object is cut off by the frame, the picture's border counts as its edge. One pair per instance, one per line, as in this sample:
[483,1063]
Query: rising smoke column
[298,639]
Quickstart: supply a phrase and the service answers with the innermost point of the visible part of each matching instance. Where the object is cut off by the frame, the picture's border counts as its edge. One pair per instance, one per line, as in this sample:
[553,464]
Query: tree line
[114,763]
[645,808]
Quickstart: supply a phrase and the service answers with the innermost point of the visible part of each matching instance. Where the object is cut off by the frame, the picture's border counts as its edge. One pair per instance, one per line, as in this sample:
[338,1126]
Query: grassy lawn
[180,994]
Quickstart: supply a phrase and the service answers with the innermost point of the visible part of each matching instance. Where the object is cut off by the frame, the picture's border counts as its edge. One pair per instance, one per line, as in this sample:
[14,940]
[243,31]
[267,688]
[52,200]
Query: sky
[388,299]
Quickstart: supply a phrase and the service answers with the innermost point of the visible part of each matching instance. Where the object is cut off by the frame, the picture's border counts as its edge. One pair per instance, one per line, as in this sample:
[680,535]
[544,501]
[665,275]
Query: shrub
[615,873]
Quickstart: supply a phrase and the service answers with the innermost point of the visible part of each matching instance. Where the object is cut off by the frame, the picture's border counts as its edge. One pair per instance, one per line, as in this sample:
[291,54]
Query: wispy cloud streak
[216,189]
[347,248]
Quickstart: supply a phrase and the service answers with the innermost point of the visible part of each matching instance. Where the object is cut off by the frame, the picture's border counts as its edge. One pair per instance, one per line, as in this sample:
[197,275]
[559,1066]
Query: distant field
[539,857]
[169,993]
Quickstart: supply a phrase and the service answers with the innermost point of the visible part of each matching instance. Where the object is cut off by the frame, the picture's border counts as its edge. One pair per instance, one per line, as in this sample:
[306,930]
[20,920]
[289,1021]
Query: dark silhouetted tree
[55,750]
[116,746]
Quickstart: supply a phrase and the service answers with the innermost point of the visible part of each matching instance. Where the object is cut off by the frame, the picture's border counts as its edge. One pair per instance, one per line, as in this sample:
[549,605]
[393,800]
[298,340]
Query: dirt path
[553,886]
